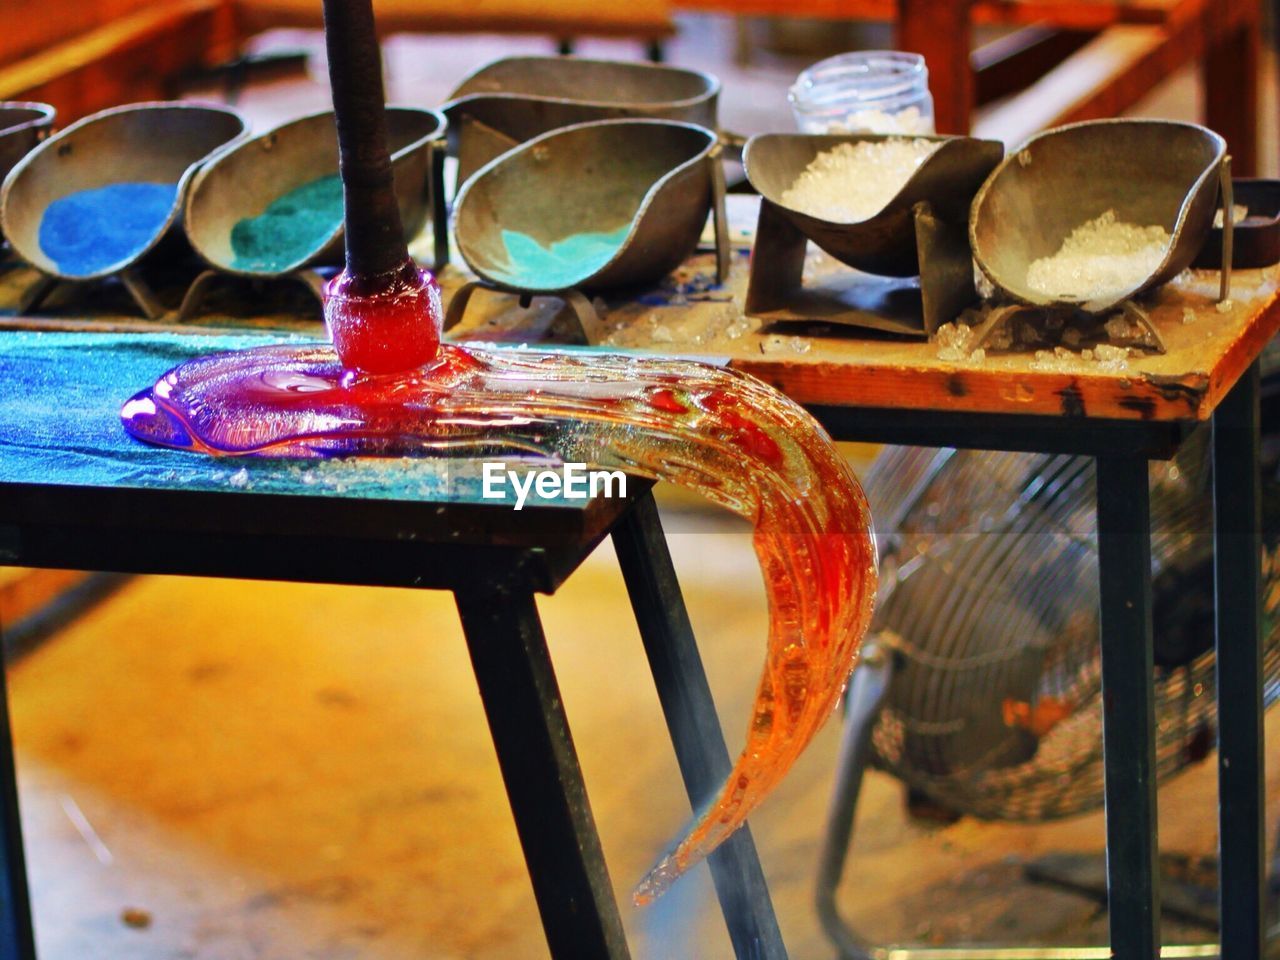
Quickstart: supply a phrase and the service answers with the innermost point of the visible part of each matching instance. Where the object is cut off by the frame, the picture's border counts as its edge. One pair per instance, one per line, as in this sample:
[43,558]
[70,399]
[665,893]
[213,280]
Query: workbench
[889,390]
[893,390]
[76,492]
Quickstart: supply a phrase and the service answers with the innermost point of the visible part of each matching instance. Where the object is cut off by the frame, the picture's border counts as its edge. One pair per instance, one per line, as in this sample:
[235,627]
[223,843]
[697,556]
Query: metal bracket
[719,214]
[438,151]
[590,325]
[312,279]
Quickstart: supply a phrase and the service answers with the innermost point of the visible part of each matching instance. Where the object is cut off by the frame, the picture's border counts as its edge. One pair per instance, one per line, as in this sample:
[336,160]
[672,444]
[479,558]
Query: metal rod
[1128,697]
[540,769]
[691,718]
[17,939]
[867,689]
[1237,523]
[374,234]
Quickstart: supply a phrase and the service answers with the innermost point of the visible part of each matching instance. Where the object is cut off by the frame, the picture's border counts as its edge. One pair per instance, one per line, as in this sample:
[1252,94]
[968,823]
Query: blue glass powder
[294,227]
[564,263]
[90,230]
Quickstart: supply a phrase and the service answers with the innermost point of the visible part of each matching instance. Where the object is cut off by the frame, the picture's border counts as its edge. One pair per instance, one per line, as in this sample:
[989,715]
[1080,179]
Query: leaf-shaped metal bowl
[649,182]
[1148,171]
[22,126]
[885,243]
[141,142]
[515,99]
[242,182]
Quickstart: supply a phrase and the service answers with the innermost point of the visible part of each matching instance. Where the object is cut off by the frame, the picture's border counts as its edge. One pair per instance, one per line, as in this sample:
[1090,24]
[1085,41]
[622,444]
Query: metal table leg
[1124,567]
[1237,557]
[540,769]
[17,941]
[695,728]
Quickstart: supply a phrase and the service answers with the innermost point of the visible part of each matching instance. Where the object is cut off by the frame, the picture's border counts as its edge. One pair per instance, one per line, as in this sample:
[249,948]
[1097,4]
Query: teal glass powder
[89,231]
[564,263]
[294,227]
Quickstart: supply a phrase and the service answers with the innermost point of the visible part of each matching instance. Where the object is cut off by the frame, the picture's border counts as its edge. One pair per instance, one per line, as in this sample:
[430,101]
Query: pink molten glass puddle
[722,433]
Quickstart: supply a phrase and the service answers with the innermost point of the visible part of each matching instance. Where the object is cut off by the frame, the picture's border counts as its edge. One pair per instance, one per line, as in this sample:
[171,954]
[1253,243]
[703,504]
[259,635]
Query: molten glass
[387,324]
[719,432]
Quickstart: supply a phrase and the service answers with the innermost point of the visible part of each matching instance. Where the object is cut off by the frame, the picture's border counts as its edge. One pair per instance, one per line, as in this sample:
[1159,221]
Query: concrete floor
[280,771]
[275,771]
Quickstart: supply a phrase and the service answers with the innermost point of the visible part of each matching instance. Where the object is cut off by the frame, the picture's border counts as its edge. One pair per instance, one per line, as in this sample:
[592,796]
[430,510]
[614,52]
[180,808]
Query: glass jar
[871,91]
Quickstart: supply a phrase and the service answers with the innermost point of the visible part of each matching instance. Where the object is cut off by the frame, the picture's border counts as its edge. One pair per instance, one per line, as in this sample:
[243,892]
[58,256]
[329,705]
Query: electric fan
[981,688]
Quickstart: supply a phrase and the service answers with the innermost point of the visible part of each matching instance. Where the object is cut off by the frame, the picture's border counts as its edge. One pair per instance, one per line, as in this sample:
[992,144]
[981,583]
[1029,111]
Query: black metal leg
[1237,519]
[17,941]
[541,773]
[691,718]
[867,690]
[1124,566]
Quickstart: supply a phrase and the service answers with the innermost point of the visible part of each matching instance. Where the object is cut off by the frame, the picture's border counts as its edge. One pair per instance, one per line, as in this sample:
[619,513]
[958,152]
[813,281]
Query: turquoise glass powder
[90,230]
[564,263]
[293,228]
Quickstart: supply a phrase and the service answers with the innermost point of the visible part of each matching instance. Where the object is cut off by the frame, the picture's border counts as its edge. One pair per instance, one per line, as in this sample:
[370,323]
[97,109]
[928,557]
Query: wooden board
[134,57]
[826,364]
[845,367]
[644,19]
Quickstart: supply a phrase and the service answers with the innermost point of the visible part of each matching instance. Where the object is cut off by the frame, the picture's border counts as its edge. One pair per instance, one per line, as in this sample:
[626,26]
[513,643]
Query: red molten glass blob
[387,324]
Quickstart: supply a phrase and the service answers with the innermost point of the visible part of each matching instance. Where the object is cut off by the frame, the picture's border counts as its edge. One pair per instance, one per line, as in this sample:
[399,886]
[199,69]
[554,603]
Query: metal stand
[17,940]
[865,697]
[1124,562]
[38,292]
[776,290]
[695,728]
[540,769]
[312,279]
[1237,518]
[1128,714]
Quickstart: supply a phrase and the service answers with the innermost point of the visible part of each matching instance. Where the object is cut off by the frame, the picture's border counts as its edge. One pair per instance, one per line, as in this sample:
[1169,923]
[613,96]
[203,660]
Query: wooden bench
[1128,47]
[646,20]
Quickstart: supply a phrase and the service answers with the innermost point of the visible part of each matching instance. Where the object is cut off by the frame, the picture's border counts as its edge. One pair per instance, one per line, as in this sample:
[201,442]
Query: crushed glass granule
[910,120]
[852,182]
[954,342]
[1102,257]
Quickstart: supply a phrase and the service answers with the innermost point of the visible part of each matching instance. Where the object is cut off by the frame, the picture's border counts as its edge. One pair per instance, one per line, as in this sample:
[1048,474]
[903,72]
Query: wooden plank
[133,58]
[940,31]
[1109,72]
[32,25]
[1065,14]
[1208,350]
[831,364]
[642,19]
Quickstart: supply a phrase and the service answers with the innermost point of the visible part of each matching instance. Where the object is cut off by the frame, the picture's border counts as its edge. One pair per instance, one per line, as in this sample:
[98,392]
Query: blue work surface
[60,424]
[76,491]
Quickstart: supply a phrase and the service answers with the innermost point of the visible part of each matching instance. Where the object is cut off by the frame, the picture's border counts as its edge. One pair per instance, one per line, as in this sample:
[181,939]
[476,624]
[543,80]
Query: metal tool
[243,181]
[22,125]
[151,142]
[1147,171]
[921,231]
[656,178]
[515,99]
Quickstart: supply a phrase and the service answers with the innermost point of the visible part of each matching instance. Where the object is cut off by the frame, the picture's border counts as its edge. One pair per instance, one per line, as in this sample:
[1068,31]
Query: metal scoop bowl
[242,182]
[516,99]
[1150,172]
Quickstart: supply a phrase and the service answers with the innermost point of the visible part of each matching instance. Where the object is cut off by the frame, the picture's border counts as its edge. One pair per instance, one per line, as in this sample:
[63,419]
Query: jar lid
[864,77]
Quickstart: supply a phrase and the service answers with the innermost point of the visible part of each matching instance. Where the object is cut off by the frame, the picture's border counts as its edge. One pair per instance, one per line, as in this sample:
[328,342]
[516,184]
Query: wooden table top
[827,364]
[832,365]
[65,459]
